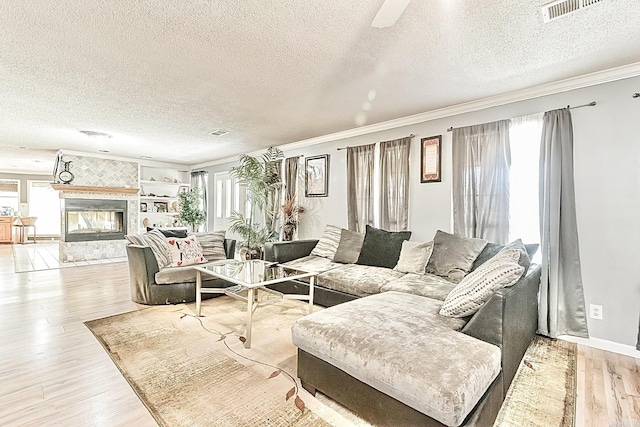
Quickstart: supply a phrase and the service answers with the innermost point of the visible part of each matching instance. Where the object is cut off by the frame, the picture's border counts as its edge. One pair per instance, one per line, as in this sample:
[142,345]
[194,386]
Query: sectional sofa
[383,350]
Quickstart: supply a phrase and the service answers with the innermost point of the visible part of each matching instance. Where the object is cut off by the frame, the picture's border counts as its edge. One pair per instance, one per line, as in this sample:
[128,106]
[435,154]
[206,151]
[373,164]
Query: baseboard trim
[611,346]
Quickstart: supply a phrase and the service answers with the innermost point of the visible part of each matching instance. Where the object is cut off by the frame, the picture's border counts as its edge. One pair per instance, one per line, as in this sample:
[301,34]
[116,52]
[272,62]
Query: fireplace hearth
[94,220]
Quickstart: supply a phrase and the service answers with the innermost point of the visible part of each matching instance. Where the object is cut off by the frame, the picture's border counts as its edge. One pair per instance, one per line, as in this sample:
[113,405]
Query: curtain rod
[591,104]
[344,148]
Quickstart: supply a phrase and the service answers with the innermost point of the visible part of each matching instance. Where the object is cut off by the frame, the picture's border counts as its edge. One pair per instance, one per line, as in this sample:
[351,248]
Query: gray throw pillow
[492,250]
[349,247]
[328,243]
[212,244]
[382,248]
[157,242]
[414,257]
[453,256]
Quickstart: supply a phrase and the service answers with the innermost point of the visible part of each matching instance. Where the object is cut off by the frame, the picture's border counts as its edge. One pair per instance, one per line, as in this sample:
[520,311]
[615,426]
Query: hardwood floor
[54,372]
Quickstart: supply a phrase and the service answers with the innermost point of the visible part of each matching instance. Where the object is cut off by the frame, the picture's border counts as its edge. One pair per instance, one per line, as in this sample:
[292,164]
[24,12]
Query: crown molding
[143,162]
[586,80]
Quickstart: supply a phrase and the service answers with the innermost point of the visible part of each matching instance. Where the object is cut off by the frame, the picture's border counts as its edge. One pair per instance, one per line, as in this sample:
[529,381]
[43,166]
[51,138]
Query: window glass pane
[525,133]
[219,198]
[227,212]
[44,203]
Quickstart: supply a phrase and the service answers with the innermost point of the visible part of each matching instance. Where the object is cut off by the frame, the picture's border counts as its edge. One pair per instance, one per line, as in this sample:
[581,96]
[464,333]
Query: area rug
[192,371]
[543,392]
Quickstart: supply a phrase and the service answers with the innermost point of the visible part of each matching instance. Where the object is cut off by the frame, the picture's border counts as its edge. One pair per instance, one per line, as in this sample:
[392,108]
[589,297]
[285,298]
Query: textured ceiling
[159,75]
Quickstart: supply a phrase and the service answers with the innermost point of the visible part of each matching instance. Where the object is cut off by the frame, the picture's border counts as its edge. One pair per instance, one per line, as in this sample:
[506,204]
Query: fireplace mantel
[91,189]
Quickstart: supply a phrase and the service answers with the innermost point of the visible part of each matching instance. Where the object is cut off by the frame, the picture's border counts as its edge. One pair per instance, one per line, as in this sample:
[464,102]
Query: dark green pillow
[382,248]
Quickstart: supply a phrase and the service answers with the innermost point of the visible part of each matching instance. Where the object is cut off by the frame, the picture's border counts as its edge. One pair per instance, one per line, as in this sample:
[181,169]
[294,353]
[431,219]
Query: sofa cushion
[476,288]
[349,247]
[354,279]
[492,250]
[453,256]
[212,244]
[398,344]
[426,285]
[155,240]
[185,251]
[414,257]
[328,243]
[382,248]
[313,263]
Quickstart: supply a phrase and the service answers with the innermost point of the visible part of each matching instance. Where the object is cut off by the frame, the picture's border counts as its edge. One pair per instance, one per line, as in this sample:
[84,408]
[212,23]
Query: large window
[44,203]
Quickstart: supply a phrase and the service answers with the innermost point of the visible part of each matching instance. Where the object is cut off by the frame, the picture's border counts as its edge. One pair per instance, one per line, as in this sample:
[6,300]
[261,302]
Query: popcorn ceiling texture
[160,75]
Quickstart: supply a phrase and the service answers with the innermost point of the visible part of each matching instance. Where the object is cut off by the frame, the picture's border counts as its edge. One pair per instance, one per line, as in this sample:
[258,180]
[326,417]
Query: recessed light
[103,151]
[218,132]
[94,134]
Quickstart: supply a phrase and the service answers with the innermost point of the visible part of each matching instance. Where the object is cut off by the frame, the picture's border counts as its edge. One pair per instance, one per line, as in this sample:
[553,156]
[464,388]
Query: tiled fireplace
[98,208]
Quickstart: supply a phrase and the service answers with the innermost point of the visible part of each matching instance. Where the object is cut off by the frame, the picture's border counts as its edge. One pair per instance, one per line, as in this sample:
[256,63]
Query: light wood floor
[44,255]
[54,372]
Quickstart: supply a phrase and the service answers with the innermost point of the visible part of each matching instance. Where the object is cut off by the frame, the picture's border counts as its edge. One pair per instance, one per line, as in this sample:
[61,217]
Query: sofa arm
[509,320]
[142,271]
[287,251]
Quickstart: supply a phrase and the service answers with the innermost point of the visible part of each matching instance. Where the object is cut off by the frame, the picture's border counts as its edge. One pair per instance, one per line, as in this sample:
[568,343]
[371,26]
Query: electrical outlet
[595,311]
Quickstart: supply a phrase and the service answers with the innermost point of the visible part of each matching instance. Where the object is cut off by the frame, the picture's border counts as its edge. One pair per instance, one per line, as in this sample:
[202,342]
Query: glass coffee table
[249,277]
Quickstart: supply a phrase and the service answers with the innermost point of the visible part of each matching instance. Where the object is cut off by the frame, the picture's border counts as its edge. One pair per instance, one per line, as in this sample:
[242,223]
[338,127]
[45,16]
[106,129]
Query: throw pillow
[171,232]
[156,241]
[478,287]
[382,248]
[185,251]
[328,243]
[453,256]
[212,244]
[492,249]
[414,257]
[349,247]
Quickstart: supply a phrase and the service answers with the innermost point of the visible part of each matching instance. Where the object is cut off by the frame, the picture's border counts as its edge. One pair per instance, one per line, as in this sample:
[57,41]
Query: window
[9,194]
[44,203]
[524,216]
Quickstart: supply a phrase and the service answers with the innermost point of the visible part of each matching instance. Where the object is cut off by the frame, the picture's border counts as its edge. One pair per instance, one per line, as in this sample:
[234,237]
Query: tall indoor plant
[190,212]
[290,218]
[261,179]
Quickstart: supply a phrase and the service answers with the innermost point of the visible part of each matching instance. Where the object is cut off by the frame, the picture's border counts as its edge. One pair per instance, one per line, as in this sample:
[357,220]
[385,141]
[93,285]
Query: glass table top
[254,272]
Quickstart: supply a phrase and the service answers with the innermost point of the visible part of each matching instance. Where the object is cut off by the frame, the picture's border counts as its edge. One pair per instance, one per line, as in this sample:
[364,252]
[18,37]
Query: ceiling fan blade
[389,13]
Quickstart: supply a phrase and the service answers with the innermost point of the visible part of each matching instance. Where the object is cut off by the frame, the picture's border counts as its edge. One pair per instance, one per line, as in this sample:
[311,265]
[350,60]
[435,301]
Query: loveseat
[170,285]
[382,349]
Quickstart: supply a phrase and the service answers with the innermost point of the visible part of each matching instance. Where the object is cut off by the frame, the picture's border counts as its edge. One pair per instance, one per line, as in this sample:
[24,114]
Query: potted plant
[290,218]
[190,212]
[261,180]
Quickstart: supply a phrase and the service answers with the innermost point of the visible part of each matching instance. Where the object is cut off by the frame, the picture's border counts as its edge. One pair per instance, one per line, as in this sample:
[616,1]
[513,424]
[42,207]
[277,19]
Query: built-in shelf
[184,184]
[159,198]
[92,189]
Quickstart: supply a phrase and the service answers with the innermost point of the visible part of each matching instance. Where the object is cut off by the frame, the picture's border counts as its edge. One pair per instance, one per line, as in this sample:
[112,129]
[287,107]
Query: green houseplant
[262,182]
[290,218]
[190,212]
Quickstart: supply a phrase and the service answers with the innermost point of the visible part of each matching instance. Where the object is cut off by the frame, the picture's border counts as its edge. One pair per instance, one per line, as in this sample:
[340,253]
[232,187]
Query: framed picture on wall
[143,207]
[430,159]
[316,182]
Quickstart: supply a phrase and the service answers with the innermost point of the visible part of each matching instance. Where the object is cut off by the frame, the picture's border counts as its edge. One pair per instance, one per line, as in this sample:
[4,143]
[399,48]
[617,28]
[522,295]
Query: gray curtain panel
[360,163]
[291,176]
[561,310]
[394,195]
[200,179]
[481,163]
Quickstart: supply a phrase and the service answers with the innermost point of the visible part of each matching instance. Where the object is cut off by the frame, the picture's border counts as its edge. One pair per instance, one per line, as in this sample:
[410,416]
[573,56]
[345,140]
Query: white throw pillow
[328,243]
[414,257]
[477,287]
[185,251]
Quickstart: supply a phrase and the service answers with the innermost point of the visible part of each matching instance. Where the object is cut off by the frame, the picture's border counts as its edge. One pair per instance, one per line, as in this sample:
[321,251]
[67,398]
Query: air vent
[560,8]
[218,132]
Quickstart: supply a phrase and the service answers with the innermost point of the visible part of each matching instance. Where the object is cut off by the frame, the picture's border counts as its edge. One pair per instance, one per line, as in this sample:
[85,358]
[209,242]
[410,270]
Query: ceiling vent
[218,132]
[561,8]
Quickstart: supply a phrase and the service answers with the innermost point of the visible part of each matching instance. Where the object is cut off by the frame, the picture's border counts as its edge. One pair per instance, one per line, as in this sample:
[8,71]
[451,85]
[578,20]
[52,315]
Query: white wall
[607,175]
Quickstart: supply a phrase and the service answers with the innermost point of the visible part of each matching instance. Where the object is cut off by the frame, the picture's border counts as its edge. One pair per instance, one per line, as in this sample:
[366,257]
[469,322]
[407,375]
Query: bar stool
[21,224]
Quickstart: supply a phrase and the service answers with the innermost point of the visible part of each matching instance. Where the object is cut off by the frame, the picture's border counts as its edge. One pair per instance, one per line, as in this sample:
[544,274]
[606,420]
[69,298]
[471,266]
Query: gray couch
[170,285]
[387,354]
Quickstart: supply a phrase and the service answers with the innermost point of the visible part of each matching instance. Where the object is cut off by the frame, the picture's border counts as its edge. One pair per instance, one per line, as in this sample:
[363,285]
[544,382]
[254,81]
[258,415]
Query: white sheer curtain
[481,162]
[360,163]
[200,180]
[394,189]
[561,309]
